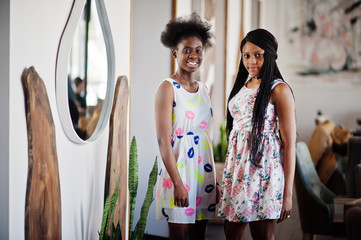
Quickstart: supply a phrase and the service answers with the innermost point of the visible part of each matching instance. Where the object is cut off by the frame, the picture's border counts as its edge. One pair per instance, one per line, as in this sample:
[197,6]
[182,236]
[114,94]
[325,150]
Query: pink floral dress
[192,113]
[251,193]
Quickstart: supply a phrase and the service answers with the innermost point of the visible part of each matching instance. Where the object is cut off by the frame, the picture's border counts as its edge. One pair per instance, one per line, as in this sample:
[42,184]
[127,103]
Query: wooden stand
[42,204]
[117,153]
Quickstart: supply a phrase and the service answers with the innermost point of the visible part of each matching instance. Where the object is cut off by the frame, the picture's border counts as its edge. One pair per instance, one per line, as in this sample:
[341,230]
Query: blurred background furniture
[358,180]
[353,159]
[353,213]
[328,150]
[353,222]
[315,200]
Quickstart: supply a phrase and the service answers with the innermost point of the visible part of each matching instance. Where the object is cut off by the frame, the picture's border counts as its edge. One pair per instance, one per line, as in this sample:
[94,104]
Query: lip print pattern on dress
[191,115]
[203,125]
[189,211]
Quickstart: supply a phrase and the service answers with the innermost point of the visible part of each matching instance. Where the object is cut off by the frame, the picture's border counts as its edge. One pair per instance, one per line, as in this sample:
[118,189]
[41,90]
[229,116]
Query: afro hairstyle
[184,27]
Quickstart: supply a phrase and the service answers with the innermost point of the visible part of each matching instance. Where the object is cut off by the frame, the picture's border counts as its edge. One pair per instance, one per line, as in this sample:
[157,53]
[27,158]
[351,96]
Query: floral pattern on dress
[251,193]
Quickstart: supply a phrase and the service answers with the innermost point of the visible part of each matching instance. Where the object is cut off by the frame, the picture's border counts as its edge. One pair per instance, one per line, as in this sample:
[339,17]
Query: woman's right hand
[181,198]
[163,119]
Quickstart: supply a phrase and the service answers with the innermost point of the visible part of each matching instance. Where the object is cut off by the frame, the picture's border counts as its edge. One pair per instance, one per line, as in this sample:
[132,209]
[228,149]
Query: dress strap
[201,86]
[276,82]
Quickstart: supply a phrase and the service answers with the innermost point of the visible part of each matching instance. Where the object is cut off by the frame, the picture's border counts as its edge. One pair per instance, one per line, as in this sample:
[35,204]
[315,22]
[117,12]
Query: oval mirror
[85,72]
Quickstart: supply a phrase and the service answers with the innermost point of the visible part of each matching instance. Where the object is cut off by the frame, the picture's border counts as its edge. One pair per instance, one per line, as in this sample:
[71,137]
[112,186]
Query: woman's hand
[181,198]
[286,209]
[163,120]
[285,107]
[218,194]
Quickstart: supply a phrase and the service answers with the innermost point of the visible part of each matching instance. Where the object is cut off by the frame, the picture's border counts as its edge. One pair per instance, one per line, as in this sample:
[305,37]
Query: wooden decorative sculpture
[117,152]
[42,204]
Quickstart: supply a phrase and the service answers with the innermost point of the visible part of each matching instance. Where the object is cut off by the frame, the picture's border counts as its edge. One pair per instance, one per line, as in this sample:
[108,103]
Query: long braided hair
[265,40]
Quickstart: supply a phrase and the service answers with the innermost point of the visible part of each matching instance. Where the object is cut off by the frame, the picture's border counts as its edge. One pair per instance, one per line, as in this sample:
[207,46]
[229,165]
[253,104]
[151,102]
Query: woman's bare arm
[283,100]
[163,119]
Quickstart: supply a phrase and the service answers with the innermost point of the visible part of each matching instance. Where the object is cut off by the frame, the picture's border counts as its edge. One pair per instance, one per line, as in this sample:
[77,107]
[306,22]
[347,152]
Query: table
[341,205]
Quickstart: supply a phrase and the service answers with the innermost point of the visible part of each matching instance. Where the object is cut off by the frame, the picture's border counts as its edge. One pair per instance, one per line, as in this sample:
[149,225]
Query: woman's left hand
[286,209]
[218,194]
[283,99]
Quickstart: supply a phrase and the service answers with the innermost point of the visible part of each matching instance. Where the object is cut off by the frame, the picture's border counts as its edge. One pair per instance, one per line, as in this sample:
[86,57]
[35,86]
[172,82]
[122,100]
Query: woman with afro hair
[260,163]
[186,185]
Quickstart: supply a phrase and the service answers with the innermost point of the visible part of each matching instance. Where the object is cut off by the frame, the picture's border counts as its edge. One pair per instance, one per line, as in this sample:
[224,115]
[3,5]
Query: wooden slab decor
[117,152]
[42,204]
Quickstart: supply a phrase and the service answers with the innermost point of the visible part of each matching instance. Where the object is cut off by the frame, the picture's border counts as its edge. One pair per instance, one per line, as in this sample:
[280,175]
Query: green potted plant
[110,203]
[138,233]
[220,150]
[108,214]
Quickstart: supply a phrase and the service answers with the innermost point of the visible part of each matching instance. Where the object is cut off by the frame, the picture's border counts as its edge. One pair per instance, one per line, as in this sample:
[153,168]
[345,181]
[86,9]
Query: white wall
[218,104]
[150,65]
[341,105]
[234,16]
[4,117]
[184,7]
[336,99]
[35,30]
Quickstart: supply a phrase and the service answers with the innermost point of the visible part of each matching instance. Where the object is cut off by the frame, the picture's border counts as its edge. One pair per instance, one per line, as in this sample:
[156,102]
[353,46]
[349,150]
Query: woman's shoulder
[168,81]
[280,84]
[166,86]
[171,83]
[277,82]
[281,90]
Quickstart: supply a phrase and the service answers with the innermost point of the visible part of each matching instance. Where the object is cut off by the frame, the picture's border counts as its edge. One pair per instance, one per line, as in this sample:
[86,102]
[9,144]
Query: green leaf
[113,200]
[117,232]
[104,219]
[220,150]
[224,142]
[112,230]
[140,227]
[132,181]
[109,207]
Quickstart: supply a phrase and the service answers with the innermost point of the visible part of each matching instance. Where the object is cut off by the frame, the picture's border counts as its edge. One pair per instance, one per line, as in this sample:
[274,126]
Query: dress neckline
[245,85]
[198,88]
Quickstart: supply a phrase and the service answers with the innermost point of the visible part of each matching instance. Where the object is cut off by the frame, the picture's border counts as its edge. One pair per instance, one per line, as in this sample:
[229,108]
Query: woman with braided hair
[259,169]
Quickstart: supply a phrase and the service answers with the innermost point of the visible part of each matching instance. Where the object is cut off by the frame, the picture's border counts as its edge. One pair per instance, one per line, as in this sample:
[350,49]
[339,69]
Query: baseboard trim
[152,237]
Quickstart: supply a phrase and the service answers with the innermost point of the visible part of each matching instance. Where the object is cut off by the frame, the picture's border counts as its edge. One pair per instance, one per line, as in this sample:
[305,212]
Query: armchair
[353,213]
[315,200]
[354,158]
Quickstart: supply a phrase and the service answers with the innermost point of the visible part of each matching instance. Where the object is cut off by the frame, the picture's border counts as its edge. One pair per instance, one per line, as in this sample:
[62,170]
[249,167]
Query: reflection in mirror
[78,56]
[87,72]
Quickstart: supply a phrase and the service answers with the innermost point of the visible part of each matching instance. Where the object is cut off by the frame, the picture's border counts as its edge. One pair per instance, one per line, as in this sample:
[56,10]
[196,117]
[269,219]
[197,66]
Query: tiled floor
[287,230]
